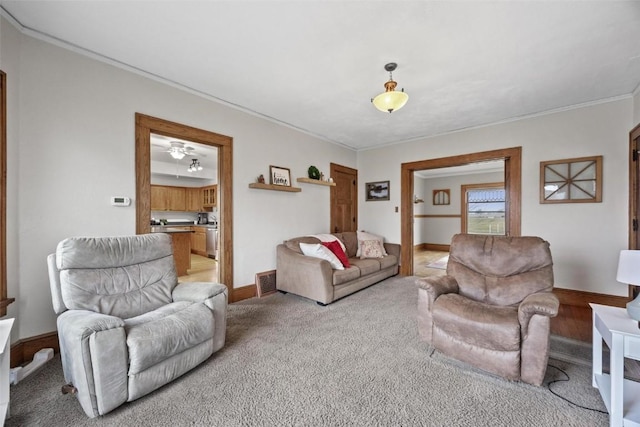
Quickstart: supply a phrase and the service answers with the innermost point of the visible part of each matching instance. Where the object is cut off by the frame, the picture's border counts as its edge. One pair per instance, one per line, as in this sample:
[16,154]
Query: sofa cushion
[346,275]
[362,235]
[167,331]
[366,266]
[350,241]
[371,249]
[476,323]
[388,261]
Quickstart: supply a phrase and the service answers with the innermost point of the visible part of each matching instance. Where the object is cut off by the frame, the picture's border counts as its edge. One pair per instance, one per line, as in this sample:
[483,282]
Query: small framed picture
[280,176]
[376,191]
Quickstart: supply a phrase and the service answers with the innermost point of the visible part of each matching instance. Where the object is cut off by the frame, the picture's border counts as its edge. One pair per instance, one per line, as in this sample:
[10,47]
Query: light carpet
[356,362]
[440,264]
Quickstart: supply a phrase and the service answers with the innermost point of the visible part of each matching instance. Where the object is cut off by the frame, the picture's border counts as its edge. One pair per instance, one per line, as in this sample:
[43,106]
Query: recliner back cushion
[118,276]
[500,270]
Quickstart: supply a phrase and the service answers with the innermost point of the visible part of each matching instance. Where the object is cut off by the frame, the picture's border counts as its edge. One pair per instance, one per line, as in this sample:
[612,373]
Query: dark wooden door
[344,199]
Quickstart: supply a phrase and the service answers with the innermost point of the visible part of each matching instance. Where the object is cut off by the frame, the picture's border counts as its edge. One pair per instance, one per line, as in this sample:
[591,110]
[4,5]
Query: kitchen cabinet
[199,241]
[194,199]
[210,196]
[165,198]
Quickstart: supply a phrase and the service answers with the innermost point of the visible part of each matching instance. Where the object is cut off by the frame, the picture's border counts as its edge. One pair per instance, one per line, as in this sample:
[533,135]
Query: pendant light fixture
[390,100]
[194,166]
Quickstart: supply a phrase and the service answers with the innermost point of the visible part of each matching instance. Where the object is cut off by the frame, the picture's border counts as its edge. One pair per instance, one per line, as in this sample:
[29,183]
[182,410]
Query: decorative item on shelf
[629,274]
[441,197]
[321,176]
[261,179]
[571,180]
[375,191]
[280,176]
[390,100]
[314,173]
[417,200]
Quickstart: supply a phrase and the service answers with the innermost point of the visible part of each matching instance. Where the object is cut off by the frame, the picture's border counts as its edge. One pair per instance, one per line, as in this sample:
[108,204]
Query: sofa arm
[438,285]
[94,356]
[304,275]
[197,291]
[393,249]
[429,289]
[542,303]
[213,295]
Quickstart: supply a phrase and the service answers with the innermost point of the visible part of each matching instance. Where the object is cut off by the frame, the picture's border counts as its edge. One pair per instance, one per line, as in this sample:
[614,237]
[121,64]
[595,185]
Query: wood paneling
[574,315]
[22,351]
[4,301]
[242,293]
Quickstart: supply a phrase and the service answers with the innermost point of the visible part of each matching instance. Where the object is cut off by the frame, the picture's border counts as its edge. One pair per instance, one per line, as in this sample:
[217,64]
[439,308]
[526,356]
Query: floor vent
[266,283]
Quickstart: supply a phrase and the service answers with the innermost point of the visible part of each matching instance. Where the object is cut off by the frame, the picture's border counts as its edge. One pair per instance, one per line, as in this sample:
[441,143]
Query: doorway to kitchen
[145,127]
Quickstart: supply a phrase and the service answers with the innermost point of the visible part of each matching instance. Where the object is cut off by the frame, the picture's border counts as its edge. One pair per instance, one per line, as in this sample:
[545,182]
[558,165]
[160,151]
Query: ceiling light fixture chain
[390,100]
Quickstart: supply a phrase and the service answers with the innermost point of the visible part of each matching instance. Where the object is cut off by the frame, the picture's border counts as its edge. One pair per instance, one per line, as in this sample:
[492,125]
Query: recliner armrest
[197,291]
[438,285]
[542,303]
[81,323]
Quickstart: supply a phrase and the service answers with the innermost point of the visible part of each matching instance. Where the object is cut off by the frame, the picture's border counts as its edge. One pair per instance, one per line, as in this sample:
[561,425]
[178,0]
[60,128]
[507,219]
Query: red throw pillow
[335,247]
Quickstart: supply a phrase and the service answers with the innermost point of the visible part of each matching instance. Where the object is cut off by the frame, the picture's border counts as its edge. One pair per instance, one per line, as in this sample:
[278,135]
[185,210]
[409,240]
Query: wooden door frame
[333,195]
[634,188]
[512,181]
[4,300]
[145,126]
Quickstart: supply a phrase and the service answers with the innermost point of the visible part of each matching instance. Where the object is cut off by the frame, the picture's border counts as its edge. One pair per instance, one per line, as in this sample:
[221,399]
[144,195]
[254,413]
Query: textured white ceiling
[315,65]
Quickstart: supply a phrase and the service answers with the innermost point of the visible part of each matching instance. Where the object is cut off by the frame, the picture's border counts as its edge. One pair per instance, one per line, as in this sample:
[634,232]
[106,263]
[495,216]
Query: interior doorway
[512,182]
[145,126]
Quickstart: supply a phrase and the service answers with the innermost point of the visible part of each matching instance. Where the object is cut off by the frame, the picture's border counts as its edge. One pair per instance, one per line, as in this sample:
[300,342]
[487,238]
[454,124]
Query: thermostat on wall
[120,201]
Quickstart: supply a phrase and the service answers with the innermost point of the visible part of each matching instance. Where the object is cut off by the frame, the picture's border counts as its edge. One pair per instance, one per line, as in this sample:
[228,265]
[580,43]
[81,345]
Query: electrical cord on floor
[564,398]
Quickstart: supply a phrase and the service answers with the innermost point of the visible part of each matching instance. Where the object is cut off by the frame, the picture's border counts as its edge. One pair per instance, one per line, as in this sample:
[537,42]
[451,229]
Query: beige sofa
[315,279]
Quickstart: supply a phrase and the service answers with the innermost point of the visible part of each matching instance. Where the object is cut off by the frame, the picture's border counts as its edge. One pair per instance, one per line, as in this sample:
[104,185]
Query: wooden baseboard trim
[22,351]
[431,247]
[582,299]
[244,292]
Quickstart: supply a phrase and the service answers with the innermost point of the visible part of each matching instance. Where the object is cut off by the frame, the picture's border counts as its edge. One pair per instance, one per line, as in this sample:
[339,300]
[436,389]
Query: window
[483,209]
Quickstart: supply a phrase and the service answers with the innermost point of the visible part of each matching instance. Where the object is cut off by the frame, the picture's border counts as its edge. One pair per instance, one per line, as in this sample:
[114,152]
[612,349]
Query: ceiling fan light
[178,155]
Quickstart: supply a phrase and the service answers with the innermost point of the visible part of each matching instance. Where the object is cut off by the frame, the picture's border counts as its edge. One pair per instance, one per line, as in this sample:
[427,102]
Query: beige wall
[73,124]
[585,237]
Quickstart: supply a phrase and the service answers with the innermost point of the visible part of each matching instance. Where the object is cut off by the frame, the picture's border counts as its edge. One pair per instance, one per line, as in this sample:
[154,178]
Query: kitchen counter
[169,229]
[181,240]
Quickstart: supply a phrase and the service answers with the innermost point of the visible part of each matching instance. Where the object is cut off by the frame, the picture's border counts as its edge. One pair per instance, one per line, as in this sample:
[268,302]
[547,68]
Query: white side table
[5,352]
[622,335]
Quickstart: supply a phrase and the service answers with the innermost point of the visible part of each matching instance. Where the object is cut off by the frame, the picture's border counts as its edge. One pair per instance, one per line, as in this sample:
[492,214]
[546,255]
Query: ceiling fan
[179,150]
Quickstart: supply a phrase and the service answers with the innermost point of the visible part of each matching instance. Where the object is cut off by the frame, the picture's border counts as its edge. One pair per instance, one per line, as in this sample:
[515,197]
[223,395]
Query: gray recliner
[493,307]
[125,325]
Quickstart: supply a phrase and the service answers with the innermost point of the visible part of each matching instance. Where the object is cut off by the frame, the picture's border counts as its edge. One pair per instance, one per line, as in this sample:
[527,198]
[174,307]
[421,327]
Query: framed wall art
[375,191]
[279,176]
[441,197]
[576,180]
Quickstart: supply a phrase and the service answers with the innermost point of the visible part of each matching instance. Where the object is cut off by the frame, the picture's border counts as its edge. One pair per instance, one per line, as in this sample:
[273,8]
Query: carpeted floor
[357,362]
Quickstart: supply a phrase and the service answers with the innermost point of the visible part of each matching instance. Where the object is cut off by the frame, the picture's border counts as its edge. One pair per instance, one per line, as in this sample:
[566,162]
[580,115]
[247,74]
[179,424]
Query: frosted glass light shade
[178,155]
[390,101]
[629,273]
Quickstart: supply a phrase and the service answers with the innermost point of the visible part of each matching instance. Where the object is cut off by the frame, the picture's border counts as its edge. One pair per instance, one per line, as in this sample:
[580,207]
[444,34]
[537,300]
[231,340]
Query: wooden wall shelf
[316,182]
[260,186]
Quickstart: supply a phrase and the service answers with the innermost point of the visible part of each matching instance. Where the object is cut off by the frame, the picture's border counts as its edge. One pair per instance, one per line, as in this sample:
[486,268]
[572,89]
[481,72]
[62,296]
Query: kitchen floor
[202,269]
